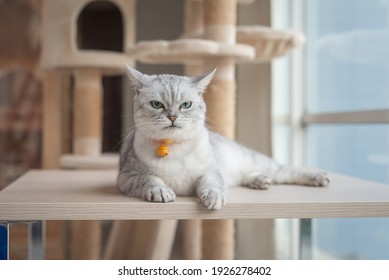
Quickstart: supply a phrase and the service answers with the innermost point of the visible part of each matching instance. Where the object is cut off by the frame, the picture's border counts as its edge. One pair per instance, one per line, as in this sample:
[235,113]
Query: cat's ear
[202,81]
[137,79]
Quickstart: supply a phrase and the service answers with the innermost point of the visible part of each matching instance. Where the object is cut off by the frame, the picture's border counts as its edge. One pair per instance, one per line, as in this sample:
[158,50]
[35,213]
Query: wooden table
[41,195]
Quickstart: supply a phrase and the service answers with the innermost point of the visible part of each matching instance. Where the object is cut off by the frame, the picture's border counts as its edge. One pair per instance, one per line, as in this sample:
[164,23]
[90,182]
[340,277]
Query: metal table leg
[305,239]
[4,241]
[36,240]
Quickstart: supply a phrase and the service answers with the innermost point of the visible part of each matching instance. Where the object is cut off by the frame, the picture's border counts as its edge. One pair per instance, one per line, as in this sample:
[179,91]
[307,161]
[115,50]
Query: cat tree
[61,55]
[212,40]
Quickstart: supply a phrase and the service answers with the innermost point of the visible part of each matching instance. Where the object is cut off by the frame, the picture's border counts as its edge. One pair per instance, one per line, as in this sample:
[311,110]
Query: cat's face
[169,106]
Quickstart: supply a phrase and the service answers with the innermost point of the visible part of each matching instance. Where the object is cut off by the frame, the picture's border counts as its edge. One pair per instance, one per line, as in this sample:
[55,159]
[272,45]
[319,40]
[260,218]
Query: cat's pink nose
[172,118]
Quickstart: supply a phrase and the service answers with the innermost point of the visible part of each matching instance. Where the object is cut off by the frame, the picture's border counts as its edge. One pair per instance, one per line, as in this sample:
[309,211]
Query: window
[345,114]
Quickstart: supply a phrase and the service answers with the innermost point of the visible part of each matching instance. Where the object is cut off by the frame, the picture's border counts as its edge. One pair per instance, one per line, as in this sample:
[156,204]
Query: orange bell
[163,150]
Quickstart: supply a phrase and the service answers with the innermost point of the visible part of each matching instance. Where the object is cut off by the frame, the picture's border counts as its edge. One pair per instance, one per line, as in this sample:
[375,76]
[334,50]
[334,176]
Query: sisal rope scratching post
[87,127]
[87,135]
[192,229]
[193,27]
[220,25]
[191,239]
[193,19]
[86,240]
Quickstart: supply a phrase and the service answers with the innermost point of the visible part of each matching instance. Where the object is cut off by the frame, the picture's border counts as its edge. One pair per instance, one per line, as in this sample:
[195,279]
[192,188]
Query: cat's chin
[178,132]
[172,127]
[175,133]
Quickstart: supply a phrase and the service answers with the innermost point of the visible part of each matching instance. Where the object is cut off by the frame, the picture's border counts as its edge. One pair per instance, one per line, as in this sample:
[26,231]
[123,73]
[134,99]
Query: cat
[170,151]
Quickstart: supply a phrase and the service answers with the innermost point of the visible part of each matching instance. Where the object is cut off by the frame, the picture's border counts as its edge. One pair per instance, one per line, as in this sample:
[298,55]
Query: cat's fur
[201,162]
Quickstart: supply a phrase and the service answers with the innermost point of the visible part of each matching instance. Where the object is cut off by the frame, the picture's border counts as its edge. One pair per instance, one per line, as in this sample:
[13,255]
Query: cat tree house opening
[100,19]
[60,43]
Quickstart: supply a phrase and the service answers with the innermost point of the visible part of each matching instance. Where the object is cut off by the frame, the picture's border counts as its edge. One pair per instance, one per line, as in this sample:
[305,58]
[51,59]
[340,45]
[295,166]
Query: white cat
[171,152]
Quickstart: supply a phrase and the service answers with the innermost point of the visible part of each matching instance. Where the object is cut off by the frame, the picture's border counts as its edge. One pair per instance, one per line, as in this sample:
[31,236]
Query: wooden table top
[91,195]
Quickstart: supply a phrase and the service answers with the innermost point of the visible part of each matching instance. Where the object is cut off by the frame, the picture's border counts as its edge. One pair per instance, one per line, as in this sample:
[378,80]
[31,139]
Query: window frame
[299,119]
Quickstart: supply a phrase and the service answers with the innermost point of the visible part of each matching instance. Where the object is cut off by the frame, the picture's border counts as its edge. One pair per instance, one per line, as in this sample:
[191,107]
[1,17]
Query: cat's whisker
[207,125]
[128,132]
[210,124]
[209,121]
[124,137]
[124,130]
[126,115]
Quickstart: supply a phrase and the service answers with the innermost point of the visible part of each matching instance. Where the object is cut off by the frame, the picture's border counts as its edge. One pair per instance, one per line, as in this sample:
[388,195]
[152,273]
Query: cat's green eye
[156,104]
[186,105]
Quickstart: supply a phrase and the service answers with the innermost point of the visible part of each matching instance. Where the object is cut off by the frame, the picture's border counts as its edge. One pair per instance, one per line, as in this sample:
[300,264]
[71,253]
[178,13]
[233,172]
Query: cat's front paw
[213,199]
[160,194]
[320,180]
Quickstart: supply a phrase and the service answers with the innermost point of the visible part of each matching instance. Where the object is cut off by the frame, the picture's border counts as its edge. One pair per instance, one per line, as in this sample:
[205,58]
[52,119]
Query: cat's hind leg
[289,175]
[256,181]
